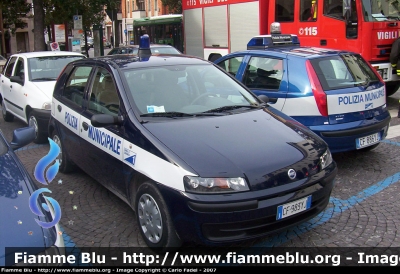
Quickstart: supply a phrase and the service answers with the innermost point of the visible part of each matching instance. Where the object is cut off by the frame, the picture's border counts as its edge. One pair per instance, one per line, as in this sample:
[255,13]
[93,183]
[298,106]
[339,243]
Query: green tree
[174,6]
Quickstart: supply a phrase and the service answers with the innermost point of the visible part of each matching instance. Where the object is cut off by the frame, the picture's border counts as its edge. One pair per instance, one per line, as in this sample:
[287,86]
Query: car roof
[151,46]
[300,51]
[133,61]
[47,53]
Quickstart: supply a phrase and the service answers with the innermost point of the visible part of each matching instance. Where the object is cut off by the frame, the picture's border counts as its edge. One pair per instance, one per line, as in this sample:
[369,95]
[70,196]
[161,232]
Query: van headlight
[200,185]
[46,105]
[326,159]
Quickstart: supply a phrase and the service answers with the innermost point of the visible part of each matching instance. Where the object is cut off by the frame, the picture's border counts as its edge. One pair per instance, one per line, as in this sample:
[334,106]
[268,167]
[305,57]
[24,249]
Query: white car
[27,83]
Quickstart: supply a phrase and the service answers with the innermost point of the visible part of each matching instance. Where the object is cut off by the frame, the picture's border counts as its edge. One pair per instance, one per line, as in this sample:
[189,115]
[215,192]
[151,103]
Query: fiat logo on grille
[291,173]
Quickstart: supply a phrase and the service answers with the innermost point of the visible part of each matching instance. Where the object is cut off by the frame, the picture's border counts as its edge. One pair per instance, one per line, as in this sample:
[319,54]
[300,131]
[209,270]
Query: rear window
[343,71]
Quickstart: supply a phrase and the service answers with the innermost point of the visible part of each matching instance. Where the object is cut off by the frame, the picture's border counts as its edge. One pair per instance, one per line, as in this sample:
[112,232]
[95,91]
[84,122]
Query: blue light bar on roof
[273,40]
[144,46]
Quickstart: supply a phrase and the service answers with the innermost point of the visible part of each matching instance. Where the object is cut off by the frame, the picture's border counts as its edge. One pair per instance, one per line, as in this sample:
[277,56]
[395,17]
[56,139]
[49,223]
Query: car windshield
[48,68]
[184,90]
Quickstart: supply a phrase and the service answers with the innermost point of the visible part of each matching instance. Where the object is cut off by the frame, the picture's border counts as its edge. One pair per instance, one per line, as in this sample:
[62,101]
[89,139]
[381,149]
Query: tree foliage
[12,11]
[174,6]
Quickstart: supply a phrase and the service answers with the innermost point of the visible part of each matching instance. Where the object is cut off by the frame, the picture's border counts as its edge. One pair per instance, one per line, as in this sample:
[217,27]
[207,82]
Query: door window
[104,97]
[75,87]
[264,73]
[231,65]
[10,66]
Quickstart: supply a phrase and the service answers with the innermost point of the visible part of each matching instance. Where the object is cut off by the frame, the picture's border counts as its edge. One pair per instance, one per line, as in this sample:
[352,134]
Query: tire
[32,122]
[154,220]
[8,117]
[391,88]
[66,165]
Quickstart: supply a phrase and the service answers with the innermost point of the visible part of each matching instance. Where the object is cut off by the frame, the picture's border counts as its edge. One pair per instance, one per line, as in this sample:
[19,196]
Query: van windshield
[380,10]
[48,68]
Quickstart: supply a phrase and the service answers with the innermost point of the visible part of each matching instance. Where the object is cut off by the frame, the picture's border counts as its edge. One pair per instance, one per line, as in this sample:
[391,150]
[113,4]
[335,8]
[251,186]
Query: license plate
[292,208]
[368,140]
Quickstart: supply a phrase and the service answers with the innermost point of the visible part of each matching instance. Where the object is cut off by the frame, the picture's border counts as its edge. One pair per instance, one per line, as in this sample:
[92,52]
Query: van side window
[284,11]
[334,8]
[308,10]
[76,83]
[264,73]
[10,67]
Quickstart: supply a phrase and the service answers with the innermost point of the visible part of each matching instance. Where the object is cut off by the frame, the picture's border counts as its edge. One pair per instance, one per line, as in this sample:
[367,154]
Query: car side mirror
[22,137]
[17,79]
[103,120]
[266,99]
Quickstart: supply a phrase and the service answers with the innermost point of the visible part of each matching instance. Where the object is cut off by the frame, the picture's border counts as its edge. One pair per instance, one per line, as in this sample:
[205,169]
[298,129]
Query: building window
[155,5]
[140,4]
[149,5]
[127,7]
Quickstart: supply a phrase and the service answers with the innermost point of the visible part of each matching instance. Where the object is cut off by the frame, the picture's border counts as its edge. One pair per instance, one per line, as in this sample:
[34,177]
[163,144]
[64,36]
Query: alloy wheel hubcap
[150,218]
[56,140]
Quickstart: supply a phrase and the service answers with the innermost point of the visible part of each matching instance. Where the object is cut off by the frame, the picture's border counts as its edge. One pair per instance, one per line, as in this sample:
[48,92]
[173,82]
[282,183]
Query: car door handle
[85,126]
[59,108]
[10,86]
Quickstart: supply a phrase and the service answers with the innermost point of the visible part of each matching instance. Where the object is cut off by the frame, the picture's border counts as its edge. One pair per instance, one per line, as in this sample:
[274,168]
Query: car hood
[260,145]
[18,226]
[47,87]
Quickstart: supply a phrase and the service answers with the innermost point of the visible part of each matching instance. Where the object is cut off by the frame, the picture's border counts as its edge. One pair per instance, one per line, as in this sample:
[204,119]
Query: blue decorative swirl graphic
[45,161]
[37,211]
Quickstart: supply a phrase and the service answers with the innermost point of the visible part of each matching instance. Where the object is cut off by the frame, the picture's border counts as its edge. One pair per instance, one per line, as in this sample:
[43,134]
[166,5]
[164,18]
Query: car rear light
[319,94]
[377,75]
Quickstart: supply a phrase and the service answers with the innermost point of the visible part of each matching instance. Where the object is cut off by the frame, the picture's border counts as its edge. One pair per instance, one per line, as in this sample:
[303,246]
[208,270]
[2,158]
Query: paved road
[363,210]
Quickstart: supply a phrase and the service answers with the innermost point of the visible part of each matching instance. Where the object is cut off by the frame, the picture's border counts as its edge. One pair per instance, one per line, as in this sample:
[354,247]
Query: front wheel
[33,122]
[154,220]
[66,164]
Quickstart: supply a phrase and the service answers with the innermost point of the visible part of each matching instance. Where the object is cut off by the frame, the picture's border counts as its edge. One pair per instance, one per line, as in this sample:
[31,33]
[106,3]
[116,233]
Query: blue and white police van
[336,94]
[196,154]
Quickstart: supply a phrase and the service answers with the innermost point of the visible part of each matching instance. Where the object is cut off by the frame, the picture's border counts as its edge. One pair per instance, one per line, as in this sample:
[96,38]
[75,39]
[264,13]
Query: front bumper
[221,219]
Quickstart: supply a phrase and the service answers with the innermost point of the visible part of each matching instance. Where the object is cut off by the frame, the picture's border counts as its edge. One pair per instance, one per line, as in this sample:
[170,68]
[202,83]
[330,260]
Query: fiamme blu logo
[44,176]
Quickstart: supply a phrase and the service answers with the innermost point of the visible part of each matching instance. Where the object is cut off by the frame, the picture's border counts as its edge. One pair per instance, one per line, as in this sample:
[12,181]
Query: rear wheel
[154,220]
[66,164]
[33,122]
[8,117]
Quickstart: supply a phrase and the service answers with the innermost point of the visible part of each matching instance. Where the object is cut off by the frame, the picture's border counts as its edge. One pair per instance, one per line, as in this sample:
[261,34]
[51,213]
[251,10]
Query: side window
[334,8]
[76,83]
[10,67]
[19,68]
[264,73]
[308,10]
[284,11]
[104,97]
[231,65]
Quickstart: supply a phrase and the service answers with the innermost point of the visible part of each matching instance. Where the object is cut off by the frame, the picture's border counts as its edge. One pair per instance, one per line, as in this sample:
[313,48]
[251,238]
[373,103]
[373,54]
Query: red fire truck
[217,27]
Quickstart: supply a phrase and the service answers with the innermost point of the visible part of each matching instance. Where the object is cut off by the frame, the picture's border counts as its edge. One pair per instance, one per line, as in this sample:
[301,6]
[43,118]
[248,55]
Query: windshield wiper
[225,108]
[44,79]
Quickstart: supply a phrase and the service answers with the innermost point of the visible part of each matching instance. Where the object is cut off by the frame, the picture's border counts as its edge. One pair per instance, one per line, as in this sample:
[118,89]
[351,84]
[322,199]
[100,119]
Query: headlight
[326,159]
[214,185]
[46,105]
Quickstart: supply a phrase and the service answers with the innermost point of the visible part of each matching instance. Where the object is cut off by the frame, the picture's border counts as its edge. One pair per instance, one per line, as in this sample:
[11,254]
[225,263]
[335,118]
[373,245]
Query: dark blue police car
[198,156]
[336,94]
